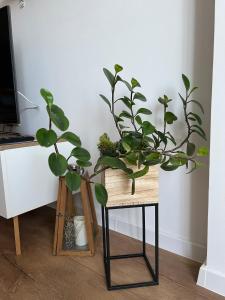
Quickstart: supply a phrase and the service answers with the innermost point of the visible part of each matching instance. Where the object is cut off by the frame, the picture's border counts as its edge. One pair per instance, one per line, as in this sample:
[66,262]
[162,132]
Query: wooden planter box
[119,187]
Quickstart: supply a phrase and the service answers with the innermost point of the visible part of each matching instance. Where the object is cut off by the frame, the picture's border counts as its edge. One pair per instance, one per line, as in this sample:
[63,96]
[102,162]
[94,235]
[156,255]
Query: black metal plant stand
[106,249]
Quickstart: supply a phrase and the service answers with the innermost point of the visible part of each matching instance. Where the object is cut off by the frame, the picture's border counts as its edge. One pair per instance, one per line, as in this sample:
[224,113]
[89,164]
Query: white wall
[212,274]
[63,45]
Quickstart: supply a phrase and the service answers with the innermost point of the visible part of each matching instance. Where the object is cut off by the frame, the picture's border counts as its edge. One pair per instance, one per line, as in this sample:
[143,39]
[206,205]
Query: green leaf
[125,114]
[101,194]
[199,129]
[73,181]
[196,117]
[81,154]
[84,164]
[140,96]
[190,149]
[127,102]
[140,173]
[144,111]
[167,167]
[186,82]
[200,134]
[127,85]
[171,138]
[135,83]
[182,99]
[147,128]
[47,95]
[126,147]
[179,159]
[46,138]
[164,100]
[132,158]
[106,100]
[112,162]
[193,89]
[138,120]
[198,104]
[72,138]
[162,136]
[153,159]
[203,151]
[57,163]
[169,117]
[57,116]
[118,68]
[109,76]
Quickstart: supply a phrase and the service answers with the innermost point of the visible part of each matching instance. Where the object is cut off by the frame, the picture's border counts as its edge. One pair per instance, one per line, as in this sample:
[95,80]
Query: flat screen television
[8,93]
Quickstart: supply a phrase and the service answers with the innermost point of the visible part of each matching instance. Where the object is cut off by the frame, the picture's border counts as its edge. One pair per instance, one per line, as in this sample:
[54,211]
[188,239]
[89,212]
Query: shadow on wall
[202,77]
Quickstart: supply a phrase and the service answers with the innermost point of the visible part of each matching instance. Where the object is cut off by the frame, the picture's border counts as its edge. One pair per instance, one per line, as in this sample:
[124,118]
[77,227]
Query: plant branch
[132,112]
[187,123]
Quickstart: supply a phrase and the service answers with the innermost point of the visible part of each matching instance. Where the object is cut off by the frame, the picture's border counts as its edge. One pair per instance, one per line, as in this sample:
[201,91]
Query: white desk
[26,182]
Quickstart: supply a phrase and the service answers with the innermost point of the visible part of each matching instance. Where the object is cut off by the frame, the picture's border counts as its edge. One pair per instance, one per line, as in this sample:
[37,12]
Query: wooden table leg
[17,235]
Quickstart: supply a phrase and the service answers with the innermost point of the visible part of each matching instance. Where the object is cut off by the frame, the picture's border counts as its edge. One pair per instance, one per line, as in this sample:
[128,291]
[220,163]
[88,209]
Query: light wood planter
[119,187]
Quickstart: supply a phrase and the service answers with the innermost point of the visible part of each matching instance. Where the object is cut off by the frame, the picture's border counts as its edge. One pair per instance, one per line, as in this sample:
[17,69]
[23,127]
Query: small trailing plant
[140,142]
[72,167]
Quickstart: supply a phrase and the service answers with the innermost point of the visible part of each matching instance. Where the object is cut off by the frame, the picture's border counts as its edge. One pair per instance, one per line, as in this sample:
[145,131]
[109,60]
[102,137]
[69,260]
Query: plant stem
[98,172]
[132,113]
[113,108]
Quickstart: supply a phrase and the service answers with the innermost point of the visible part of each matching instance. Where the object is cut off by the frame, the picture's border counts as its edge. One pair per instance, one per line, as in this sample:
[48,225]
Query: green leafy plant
[73,166]
[140,142]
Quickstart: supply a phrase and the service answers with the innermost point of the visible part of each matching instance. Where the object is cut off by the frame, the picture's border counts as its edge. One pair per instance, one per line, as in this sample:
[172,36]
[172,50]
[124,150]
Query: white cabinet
[26,182]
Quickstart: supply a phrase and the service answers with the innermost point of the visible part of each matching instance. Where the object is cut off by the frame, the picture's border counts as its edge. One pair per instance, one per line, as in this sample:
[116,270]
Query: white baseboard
[211,280]
[167,241]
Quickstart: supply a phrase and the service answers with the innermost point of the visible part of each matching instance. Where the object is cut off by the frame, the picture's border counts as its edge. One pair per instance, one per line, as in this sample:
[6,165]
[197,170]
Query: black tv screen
[8,93]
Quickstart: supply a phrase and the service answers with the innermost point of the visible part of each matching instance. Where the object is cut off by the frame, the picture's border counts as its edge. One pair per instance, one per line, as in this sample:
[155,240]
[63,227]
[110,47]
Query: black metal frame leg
[106,249]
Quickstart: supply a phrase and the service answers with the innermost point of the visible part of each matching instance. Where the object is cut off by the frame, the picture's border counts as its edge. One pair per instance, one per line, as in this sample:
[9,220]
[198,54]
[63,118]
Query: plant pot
[119,187]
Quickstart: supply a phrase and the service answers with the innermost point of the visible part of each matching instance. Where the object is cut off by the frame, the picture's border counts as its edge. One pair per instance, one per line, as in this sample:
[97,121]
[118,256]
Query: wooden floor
[39,275]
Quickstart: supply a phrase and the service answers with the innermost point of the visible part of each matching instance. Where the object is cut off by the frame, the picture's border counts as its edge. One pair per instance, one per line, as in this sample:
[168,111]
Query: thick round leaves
[81,154]
[71,138]
[73,181]
[57,163]
[101,194]
[47,95]
[57,116]
[46,138]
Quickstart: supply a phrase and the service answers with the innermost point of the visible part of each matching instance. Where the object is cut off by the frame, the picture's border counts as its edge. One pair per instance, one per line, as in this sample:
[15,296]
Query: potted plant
[141,145]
